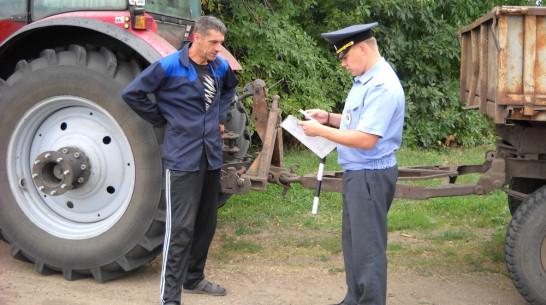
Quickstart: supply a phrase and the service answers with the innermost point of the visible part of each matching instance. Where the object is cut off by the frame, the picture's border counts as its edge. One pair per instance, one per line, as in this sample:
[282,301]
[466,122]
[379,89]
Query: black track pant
[191,214]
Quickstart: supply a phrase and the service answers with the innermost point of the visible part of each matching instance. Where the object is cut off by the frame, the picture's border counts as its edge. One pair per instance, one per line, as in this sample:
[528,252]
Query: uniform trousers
[367,197]
[191,215]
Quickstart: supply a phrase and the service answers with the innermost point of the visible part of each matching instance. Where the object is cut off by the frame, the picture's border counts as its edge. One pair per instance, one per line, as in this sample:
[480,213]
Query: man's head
[356,47]
[208,37]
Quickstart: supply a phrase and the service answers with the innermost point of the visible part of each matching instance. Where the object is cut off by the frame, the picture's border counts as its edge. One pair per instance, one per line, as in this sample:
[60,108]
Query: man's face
[354,61]
[209,45]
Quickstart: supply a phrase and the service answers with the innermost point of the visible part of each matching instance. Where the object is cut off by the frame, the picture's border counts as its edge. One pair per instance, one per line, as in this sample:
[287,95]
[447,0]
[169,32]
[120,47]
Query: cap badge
[343,48]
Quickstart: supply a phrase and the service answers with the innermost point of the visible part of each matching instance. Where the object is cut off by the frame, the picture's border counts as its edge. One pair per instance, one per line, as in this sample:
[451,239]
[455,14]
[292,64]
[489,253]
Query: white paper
[319,145]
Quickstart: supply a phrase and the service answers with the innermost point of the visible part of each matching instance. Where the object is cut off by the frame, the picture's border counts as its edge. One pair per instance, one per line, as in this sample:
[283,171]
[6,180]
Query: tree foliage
[279,41]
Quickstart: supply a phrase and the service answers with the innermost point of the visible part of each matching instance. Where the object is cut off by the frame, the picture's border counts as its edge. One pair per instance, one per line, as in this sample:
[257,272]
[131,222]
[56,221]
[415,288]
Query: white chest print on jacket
[210,90]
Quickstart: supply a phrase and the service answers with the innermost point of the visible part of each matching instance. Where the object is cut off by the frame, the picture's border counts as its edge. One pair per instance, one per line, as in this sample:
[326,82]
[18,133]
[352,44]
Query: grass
[424,235]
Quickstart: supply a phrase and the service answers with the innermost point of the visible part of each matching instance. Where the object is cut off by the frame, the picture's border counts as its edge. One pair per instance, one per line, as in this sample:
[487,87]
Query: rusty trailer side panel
[503,64]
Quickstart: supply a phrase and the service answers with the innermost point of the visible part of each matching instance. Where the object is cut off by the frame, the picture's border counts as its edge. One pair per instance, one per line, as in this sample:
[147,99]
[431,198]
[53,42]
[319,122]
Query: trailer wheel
[80,173]
[525,248]
[523,185]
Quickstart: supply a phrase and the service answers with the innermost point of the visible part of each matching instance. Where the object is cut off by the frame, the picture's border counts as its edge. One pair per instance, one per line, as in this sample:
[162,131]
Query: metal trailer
[503,75]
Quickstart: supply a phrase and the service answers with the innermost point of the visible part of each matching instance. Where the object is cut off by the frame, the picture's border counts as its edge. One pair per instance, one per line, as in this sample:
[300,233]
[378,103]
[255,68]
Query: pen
[306,115]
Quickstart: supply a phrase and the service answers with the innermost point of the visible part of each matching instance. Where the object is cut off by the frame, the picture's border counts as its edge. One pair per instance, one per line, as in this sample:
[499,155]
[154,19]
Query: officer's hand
[318,114]
[311,128]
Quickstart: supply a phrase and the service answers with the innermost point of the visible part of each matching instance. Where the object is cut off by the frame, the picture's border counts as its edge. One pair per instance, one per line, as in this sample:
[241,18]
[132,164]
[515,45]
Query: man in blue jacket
[194,88]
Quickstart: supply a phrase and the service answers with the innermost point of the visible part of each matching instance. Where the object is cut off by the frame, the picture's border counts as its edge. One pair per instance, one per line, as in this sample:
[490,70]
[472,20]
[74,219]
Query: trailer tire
[525,248]
[523,185]
[112,223]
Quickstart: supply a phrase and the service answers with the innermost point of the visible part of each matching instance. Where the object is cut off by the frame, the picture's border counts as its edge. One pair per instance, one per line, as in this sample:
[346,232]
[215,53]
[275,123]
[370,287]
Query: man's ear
[196,36]
[363,47]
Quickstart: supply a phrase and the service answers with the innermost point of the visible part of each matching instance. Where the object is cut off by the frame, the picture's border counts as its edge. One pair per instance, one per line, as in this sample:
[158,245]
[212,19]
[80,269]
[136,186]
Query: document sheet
[319,145]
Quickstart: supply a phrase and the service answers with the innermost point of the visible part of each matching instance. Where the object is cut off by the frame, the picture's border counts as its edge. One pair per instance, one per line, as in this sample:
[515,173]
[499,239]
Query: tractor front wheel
[80,173]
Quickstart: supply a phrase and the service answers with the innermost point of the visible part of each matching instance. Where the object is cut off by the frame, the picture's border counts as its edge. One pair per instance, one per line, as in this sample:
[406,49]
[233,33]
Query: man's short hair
[206,23]
[372,43]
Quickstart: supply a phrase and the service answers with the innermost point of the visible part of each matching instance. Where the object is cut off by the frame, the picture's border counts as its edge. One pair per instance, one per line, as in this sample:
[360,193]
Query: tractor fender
[58,29]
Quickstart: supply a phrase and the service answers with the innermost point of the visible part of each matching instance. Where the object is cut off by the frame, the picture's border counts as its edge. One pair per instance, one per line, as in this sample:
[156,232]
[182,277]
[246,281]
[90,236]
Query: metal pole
[319,181]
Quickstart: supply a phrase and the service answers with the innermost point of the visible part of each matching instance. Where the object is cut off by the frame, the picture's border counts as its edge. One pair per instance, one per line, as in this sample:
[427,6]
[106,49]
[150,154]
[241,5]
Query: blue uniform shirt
[180,105]
[374,105]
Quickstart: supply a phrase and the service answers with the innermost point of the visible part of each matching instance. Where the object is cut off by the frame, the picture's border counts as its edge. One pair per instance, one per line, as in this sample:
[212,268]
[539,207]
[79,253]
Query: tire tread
[522,217]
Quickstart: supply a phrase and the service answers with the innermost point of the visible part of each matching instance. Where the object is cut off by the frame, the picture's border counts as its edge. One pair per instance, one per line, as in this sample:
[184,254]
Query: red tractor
[81,175]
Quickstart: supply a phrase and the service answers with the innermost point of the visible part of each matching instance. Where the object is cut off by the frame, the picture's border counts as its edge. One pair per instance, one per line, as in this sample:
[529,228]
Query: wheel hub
[56,172]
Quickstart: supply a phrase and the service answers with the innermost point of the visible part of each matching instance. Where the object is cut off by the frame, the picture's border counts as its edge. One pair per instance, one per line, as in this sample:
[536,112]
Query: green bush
[279,42]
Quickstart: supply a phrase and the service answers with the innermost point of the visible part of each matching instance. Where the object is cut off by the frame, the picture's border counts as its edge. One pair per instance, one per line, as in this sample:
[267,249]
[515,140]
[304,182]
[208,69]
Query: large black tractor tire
[523,185]
[110,222]
[525,248]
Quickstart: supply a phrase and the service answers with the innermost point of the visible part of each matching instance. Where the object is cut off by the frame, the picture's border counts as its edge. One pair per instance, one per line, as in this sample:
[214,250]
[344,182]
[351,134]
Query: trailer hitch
[267,166]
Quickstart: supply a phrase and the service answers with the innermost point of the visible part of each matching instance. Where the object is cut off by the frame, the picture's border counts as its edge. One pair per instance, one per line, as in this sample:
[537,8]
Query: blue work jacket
[180,104]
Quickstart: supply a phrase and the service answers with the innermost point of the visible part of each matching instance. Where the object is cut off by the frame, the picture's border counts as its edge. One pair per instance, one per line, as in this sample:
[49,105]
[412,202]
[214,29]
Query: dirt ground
[267,282]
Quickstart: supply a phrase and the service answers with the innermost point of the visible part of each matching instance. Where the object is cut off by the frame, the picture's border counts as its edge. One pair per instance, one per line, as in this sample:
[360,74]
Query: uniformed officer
[368,131]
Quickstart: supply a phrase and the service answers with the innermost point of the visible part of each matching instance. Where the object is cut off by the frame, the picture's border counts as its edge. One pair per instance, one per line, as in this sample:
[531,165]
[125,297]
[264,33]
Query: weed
[335,270]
